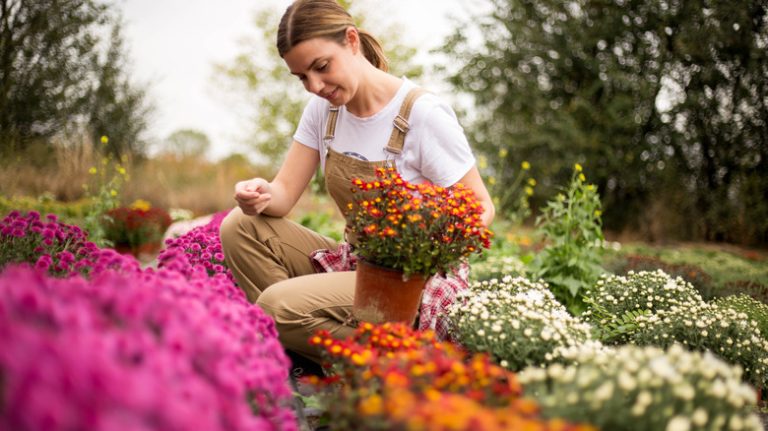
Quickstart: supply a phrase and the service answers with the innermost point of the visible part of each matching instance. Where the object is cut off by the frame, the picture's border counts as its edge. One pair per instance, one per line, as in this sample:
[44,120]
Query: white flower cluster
[517,321]
[728,333]
[495,266]
[646,389]
[755,309]
[644,290]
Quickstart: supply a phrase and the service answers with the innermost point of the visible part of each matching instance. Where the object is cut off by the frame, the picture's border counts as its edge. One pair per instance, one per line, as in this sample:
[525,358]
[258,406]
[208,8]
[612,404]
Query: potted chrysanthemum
[404,233]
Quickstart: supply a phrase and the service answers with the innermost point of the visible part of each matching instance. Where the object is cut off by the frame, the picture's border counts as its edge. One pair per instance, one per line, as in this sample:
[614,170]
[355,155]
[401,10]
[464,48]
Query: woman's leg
[262,250]
[303,305]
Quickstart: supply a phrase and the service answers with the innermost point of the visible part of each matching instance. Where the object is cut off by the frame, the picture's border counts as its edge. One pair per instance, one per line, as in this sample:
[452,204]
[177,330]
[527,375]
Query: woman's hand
[253,196]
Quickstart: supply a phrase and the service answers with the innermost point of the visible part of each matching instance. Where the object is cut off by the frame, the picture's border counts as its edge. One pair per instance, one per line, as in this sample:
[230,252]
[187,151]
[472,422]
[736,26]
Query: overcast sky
[174,43]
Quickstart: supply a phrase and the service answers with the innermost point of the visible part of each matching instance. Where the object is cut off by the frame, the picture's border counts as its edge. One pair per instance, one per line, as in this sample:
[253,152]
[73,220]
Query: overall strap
[330,126]
[397,138]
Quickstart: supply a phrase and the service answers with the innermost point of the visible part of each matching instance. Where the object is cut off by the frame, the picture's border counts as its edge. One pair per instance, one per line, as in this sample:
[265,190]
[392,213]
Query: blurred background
[663,103]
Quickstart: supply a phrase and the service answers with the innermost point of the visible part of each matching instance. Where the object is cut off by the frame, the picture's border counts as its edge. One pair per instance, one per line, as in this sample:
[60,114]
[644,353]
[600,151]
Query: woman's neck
[376,89]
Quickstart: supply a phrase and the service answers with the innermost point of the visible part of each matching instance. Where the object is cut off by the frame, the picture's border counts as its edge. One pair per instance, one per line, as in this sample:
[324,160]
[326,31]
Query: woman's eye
[322,67]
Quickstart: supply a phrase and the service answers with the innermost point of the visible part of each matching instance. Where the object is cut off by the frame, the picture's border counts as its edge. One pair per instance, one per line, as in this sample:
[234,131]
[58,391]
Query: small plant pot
[383,295]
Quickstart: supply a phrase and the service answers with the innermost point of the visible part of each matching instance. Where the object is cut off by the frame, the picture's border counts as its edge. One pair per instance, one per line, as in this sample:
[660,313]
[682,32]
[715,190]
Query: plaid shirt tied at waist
[439,293]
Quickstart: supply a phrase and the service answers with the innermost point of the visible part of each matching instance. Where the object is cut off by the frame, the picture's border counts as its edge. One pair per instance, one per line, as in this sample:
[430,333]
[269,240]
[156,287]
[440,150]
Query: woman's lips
[332,95]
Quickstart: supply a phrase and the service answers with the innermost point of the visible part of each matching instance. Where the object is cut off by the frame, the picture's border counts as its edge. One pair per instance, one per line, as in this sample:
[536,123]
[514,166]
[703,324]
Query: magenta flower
[177,348]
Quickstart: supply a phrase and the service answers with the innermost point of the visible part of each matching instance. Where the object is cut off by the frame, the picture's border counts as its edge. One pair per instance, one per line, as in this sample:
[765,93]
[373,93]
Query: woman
[362,117]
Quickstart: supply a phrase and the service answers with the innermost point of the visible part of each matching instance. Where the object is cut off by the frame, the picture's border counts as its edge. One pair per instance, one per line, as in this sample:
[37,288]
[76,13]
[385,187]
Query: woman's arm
[473,180]
[277,198]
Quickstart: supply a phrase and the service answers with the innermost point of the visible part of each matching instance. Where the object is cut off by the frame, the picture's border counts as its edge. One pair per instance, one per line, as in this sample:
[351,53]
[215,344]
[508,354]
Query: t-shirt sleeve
[308,131]
[445,153]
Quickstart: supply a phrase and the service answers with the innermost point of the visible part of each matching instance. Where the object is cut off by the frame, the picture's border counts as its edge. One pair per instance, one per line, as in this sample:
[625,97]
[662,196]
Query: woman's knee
[230,229]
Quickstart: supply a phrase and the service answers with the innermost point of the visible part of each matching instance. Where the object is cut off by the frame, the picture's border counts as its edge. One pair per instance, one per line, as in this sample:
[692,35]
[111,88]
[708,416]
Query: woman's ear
[353,39]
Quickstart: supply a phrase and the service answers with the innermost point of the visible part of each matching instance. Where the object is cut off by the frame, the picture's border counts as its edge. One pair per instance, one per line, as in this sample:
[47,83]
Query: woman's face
[325,67]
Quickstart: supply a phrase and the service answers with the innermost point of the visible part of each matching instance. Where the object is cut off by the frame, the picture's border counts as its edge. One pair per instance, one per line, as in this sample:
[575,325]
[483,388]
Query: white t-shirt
[435,146]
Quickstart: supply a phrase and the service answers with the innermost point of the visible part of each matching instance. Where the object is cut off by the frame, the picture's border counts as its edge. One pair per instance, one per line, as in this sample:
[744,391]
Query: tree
[118,108]
[664,102]
[274,98]
[52,76]
[186,143]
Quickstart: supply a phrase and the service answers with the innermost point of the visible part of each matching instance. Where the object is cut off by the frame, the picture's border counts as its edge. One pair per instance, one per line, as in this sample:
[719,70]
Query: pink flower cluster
[133,349]
[199,250]
[59,249]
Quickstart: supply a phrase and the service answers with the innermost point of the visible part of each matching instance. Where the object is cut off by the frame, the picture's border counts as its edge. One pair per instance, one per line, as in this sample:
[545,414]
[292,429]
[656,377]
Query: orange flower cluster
[393,377]
[417,228]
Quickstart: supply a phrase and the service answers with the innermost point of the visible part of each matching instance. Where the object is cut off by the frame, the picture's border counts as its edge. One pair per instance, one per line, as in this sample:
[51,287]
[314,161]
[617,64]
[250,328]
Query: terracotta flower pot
[381,294]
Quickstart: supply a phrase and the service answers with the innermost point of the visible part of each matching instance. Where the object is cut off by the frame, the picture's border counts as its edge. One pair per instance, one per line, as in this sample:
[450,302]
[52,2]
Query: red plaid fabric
[439,293]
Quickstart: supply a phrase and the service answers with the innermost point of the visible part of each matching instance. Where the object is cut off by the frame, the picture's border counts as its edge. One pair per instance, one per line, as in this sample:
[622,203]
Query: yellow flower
[371,406]
[598,213]
[93,170]
[531,182]
[525,165]
[120,170]
[482,162]
[590,187]
[529,191]
[141,204]
[492,180]
[113,192]
[577,167]
[582,178]
[503,153]
[104,140]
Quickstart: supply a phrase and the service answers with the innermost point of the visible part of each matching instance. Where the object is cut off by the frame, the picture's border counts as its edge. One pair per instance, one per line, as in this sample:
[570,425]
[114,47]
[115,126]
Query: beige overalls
[270,256]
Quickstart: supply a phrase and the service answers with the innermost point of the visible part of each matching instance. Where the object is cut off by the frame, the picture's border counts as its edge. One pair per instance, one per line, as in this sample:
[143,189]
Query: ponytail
[372,50]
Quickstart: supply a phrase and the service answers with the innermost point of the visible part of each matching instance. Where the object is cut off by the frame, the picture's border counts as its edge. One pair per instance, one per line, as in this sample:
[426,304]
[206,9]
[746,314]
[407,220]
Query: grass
[723,262]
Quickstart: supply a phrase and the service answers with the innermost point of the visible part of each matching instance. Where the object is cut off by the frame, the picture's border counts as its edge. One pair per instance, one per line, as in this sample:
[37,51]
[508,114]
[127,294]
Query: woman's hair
[308,19]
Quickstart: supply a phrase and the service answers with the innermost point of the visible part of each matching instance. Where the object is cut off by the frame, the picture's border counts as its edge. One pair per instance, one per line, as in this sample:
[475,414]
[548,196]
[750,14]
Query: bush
[726,332]
[59,249]
[150,350]
[516,321]
[497,266]
[616,301]
[756,311]
[199,250]
[646,389]
[391,377]
[572,228]
[691,273]
[135,227]
[126,347]
[753,289]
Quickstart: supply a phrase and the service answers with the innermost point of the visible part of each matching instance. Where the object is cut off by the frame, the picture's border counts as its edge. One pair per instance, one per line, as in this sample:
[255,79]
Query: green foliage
[725,265]
[276,99]
[510,199]
[570,225]
[104,192]
[54,78]
[611,327]
[323,224]
[667,101]
[69,212]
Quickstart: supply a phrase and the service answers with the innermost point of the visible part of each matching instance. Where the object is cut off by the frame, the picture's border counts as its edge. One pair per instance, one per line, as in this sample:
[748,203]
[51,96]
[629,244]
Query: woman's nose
[314,85]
